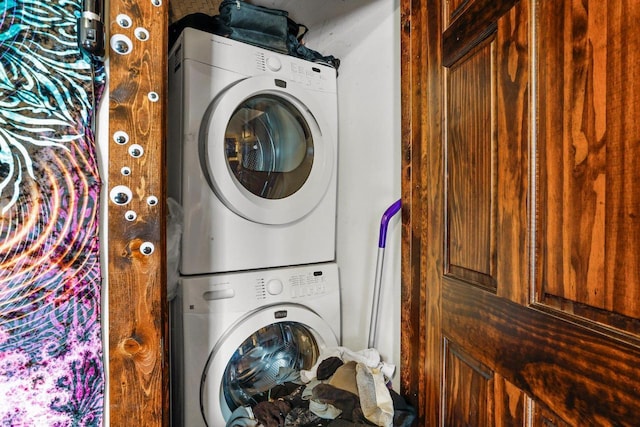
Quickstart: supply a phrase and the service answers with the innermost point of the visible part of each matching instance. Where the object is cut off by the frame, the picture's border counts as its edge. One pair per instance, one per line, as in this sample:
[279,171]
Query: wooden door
[521,222]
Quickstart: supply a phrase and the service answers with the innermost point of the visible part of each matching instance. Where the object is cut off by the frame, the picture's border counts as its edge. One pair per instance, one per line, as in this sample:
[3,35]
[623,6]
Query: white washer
[231,332]
[252,155]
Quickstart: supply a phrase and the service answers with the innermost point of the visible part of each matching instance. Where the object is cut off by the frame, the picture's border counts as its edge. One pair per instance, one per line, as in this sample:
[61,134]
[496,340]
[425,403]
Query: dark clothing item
[338,422]
[271,413]
[347,402]
[290,393]
[327,367]
[302,417]
[404,415]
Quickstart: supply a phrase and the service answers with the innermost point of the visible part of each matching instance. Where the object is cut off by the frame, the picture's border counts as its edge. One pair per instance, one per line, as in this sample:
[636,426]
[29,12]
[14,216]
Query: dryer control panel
[308,74]
[248,60]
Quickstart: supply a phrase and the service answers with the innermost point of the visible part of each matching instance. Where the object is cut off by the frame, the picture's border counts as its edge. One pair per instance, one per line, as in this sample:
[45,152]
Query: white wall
[369,177]
[365,35]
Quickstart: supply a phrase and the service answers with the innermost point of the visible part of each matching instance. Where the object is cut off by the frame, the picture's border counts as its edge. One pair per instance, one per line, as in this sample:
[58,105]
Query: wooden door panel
[512,79]
[470,24]
[474,394]
[486,136]
[589,213]
[453,9]
[543,417]
[556,362]
[511,405]
[470,152]
[467,387]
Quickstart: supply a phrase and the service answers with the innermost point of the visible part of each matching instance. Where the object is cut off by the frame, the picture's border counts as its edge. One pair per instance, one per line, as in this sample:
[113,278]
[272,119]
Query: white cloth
[242,417]
[307,393]
[375,399]
[324,410]
[369,357]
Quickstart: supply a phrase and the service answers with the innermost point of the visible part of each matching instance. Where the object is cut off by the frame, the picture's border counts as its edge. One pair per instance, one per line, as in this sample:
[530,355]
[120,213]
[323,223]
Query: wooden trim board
[138,362]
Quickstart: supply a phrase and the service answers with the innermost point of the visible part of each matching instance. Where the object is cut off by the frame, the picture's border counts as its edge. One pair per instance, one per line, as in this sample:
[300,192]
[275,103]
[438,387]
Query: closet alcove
[365,36]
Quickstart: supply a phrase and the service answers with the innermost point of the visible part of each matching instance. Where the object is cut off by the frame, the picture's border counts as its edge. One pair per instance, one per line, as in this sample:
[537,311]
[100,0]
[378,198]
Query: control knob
[273,63]
[274,286]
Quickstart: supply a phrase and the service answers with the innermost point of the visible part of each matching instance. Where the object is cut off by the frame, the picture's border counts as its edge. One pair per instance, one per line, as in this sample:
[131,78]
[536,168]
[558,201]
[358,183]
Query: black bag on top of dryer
[245,22]
[256,25]
[268,28]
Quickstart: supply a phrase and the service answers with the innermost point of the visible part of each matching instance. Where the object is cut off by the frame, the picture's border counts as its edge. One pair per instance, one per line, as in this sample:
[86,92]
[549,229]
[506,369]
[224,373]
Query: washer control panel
[308,284]
[247,290]
[299,282]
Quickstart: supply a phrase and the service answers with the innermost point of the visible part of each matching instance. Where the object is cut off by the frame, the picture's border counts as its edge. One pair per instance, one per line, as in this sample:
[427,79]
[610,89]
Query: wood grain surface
[520,140]
[138,361]
[420,335]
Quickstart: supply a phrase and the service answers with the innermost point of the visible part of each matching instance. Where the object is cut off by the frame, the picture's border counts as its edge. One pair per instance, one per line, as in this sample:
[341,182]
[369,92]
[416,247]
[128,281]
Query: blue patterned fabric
[51,368]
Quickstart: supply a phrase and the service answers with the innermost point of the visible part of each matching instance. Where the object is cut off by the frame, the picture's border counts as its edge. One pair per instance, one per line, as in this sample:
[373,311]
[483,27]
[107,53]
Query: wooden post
[138,371]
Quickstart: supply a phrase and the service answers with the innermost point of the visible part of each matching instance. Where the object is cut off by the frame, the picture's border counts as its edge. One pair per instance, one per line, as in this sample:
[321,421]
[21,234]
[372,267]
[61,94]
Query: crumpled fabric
[375,399]
[242,417]
[303,417]
[345,378]
[403,414]
[271,413]
[370,357]
[343,400]
[324,410]
[307,393]
[327,367]
[339,422]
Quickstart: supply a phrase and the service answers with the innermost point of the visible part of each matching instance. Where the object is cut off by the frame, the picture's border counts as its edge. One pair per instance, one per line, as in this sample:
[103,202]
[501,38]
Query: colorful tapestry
[51,371]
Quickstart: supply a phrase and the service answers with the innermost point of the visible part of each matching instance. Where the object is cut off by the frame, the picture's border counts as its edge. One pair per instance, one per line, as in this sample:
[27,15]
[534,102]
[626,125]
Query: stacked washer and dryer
[252,160]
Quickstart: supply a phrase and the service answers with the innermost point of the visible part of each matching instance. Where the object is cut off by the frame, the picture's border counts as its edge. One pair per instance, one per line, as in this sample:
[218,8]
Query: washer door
[258,353]
[264,153]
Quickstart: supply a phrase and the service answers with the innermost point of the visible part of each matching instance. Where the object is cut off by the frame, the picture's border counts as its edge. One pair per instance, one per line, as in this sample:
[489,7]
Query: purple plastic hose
[384,223]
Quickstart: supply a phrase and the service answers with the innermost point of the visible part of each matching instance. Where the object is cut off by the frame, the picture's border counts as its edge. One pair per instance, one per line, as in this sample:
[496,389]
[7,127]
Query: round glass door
[256,354]
[267,151]
[269,147]
[269,357]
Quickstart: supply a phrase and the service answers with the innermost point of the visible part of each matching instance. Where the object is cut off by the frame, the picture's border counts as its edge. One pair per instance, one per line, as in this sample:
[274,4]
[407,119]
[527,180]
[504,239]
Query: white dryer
[251,154]
[231,333]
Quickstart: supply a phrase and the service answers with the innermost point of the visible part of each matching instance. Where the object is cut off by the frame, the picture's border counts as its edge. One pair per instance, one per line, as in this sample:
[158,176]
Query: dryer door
[265,152]
[258,353]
